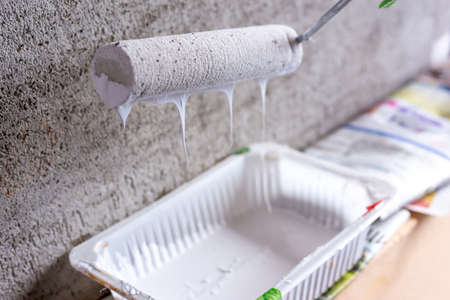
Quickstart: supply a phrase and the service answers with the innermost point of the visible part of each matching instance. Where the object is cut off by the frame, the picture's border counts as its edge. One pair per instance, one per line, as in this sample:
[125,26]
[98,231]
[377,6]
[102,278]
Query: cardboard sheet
[414,265]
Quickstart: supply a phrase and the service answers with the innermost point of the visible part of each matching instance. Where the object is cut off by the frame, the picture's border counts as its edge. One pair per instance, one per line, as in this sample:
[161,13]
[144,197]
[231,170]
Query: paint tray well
[237,230]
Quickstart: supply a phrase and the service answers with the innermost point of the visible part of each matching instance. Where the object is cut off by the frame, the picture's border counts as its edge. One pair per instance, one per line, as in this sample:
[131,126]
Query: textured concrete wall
[68,171]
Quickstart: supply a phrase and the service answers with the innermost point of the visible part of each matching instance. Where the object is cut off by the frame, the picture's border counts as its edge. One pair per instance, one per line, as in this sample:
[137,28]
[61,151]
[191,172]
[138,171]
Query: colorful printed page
[432,93]
[404,140]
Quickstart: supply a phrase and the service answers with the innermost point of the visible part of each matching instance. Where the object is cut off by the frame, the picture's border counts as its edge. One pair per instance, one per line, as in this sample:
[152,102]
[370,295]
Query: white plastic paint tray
[270,217]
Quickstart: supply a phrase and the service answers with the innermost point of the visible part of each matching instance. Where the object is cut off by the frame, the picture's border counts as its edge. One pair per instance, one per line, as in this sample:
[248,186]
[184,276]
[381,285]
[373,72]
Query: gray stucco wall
[68,171]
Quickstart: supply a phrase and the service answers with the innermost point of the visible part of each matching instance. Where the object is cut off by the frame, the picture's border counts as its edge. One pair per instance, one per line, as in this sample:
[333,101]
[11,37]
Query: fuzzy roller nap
[160,68]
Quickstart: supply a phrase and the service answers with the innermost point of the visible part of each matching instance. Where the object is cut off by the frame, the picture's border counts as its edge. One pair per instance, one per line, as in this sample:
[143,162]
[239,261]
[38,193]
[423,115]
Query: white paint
[229,94]
[263,90]
[165,69]
[256,249]
[160,67]
[180,101]
[207,238]
[268,162]
[124,110]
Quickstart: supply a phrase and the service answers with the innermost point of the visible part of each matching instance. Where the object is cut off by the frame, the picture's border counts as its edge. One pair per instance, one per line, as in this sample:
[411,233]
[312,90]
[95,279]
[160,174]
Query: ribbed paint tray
[267,218]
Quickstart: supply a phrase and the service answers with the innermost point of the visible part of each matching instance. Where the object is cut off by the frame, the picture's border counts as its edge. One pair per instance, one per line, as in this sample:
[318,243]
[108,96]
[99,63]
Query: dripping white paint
[180,102]
[168,69]
[229,94]
[263,90]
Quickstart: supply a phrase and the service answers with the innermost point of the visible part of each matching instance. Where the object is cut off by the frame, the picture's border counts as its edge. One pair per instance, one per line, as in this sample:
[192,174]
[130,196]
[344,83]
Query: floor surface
[416,265]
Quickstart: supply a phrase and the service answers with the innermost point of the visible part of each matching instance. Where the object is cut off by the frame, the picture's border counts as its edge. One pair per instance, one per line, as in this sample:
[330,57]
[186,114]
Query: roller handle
[322,21]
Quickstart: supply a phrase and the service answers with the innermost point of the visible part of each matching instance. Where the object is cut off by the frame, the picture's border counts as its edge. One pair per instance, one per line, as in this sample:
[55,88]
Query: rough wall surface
[68,171]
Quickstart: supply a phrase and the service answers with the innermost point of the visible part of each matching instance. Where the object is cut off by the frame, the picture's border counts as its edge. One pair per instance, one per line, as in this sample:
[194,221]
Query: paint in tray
[211,238]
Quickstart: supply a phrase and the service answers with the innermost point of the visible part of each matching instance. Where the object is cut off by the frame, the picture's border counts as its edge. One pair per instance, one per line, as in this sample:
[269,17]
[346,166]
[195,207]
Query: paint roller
[170,68]
[160,68]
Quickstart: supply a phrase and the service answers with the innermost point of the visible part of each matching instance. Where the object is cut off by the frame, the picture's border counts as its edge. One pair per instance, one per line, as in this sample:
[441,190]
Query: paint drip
[125,109]
[229,94]
[266,164]
[180,101]
[139,69]
[263,90]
